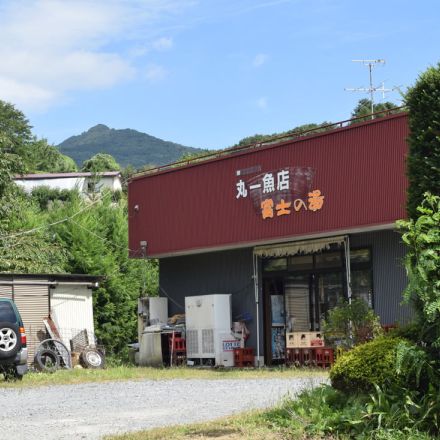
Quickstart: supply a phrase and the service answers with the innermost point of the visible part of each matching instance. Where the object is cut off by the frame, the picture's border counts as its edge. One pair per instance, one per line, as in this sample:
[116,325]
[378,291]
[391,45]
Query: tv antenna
[372,89]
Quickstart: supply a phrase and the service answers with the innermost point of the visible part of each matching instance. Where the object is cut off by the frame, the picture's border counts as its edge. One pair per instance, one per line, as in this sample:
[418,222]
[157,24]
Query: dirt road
[89,411]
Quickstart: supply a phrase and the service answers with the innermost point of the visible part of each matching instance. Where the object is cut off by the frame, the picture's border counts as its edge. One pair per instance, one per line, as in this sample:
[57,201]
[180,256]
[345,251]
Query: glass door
[329,292]
[275,319]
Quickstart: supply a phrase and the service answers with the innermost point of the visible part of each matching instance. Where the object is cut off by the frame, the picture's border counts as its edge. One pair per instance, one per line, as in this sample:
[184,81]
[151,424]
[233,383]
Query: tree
[47,158]
[423,163]
[257,138]
[364,109]
[99,163]
[96,243]
[15,139]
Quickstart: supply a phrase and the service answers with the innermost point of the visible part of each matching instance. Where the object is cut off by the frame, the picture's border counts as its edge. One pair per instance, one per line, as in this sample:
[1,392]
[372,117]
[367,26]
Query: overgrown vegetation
[422,237]
[60,231]
[423,102]
[350,324]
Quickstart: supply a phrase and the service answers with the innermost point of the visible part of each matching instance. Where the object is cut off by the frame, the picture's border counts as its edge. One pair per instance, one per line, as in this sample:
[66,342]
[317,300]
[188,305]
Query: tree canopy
[364,108]
[99,163]
[423,164]
[58,231]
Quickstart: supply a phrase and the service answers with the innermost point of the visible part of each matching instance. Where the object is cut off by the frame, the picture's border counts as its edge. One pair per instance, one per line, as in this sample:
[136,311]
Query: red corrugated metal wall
[360,170]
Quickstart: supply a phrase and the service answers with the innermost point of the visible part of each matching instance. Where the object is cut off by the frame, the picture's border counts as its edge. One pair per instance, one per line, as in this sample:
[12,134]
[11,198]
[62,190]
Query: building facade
[289,228]
[86,183]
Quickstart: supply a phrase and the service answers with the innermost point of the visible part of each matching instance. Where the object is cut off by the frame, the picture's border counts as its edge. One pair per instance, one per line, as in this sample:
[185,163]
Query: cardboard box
[304,339]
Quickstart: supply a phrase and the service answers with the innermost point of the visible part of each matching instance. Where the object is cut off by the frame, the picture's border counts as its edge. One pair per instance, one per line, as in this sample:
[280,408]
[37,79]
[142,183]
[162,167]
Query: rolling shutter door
[33,304]
[6,292]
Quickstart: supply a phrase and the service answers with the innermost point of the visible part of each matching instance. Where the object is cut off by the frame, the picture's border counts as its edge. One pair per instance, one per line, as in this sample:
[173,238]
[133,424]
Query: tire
[92,358]
[10,341]
[47,360]
[58,347]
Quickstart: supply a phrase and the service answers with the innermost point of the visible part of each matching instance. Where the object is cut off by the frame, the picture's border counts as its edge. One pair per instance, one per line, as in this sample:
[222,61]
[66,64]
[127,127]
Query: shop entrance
[299,291]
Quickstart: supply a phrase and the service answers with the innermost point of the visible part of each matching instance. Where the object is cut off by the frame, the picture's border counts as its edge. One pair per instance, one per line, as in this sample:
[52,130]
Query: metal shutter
[33,304]
[6,292]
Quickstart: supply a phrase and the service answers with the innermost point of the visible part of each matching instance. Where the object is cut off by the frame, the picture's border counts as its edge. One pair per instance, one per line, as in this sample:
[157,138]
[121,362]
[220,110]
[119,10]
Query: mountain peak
[100,128]
[128,147]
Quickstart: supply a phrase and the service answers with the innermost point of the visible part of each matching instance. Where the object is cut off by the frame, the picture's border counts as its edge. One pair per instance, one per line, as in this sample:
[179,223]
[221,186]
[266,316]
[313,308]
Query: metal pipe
[348,266]
[48,283]
[257,303]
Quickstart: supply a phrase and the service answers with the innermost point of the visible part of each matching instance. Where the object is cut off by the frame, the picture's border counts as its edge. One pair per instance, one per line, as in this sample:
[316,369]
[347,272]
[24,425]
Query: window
[301,262]
[328,259]
[7,313]
[362,286]
[275,264]
[358,256]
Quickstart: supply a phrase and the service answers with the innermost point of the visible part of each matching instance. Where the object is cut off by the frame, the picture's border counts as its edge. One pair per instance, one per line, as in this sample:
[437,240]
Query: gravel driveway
[89,411]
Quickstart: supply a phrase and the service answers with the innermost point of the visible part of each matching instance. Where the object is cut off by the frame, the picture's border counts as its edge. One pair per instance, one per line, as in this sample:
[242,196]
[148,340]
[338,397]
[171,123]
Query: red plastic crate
[294,356]
[177,344]
[324,357]
[244,357]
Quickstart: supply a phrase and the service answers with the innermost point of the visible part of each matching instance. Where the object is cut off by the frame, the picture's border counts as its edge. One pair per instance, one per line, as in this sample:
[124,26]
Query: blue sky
[205,73]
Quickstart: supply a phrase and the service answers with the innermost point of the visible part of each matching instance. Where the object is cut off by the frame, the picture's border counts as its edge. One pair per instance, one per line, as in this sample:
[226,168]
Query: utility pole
[372,89]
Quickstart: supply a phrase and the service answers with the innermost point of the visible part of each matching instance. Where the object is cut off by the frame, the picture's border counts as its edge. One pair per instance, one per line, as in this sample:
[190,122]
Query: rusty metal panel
[360,170]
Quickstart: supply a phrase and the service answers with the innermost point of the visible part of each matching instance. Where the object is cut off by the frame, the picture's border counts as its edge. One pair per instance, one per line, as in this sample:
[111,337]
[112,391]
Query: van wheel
[10,342]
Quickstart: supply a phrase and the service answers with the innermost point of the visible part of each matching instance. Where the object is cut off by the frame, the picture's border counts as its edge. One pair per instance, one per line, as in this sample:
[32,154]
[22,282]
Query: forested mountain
[127,146]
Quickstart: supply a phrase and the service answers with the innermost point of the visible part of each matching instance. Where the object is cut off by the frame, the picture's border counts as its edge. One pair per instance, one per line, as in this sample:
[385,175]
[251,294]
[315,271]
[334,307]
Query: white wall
[72,311]
[70,183]
[60,183]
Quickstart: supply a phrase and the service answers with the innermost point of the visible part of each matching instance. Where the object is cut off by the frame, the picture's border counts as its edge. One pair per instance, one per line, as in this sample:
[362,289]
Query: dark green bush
[369,364]
[352,323]
[44,195]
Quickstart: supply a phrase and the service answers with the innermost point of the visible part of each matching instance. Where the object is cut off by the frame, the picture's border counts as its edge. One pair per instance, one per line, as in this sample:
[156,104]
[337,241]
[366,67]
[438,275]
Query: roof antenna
[372,89]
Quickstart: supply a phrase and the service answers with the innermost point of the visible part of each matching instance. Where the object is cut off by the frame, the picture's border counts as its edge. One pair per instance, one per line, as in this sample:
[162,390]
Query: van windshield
[7,313]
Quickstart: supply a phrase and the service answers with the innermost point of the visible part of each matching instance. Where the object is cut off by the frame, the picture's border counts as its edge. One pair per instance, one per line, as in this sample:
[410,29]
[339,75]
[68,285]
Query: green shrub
[352,323]
[369,364]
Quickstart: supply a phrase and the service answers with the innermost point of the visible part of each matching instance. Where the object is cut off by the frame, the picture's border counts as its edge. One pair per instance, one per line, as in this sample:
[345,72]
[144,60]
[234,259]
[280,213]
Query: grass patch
[321,413]
[120,373]
[248,426]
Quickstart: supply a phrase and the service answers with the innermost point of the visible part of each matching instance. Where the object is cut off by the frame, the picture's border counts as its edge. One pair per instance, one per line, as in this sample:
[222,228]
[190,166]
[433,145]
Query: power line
[39,228]
[104,238]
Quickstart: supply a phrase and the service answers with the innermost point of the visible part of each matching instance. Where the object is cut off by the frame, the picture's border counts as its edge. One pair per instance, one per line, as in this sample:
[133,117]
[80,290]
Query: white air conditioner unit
[208,326]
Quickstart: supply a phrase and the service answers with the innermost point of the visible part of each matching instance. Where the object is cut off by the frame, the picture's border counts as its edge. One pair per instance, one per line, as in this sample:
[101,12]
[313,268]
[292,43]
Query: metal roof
[65,175]
[360,171]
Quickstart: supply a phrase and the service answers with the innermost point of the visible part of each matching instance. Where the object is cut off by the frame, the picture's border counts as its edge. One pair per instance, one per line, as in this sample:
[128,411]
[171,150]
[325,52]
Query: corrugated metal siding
[6,292]
[72,311]
[33,304]
[211,273]
[360,171]
[389,276]
[231,272]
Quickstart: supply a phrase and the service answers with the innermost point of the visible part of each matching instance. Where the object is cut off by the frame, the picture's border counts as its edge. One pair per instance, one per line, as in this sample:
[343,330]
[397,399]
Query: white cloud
[259,59]
[51,47]
[155,73]
[262,103]
[163,43]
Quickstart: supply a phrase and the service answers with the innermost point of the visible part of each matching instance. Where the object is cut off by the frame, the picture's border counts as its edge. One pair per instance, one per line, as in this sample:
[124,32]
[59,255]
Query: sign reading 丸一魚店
[278,193]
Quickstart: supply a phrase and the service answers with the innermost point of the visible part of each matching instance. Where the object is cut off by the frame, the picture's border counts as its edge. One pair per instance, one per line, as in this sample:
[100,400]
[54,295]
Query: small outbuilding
[63,300]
